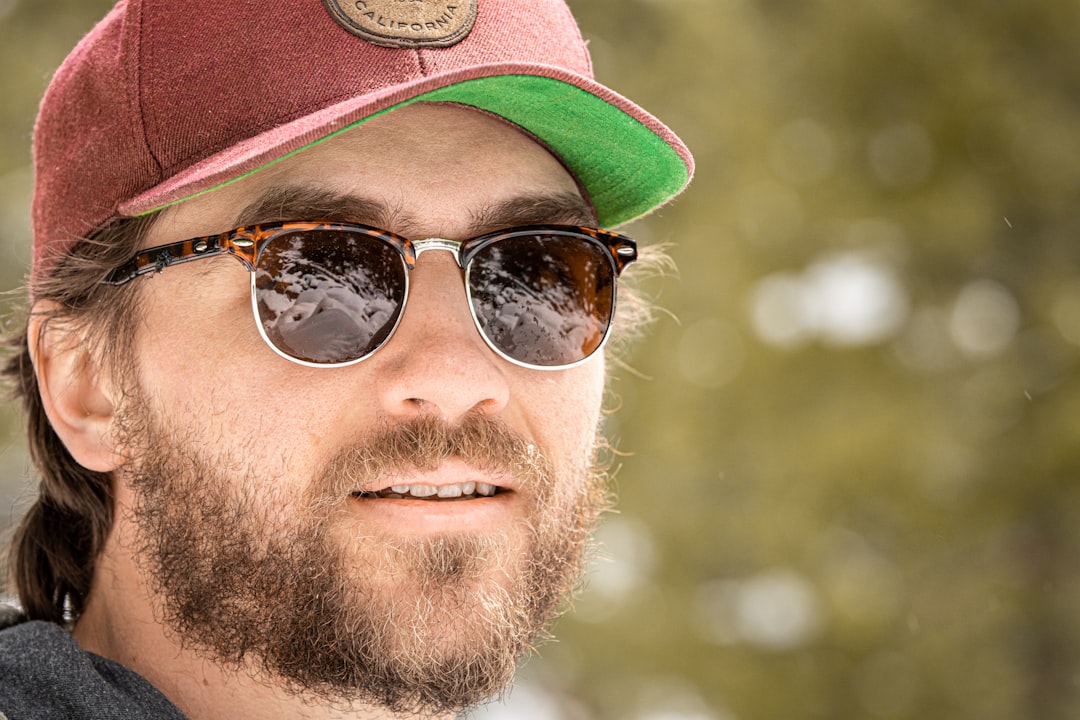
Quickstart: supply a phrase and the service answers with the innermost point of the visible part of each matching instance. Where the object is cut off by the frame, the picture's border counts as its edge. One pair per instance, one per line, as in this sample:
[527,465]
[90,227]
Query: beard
[428,624]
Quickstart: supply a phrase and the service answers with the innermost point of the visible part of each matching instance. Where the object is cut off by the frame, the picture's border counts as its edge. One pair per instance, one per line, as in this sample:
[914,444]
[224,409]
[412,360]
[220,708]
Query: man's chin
[440,632]
[454,592]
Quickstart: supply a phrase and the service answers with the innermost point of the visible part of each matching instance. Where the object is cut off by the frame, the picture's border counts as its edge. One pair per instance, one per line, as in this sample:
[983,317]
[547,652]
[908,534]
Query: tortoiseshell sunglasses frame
[245,243]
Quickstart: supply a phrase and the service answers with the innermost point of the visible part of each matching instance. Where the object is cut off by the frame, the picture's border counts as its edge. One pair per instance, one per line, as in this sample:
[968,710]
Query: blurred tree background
[850,488]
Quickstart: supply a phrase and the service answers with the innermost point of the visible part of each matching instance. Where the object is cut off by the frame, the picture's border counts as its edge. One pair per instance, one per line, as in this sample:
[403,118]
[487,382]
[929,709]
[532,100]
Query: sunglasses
[331,294]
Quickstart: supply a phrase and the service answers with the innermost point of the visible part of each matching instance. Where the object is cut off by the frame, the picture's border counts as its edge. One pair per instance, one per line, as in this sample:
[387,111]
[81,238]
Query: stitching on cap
[137,101]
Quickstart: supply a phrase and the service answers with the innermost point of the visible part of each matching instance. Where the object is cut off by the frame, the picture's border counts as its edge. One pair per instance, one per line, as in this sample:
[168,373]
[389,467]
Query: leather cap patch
[406,23]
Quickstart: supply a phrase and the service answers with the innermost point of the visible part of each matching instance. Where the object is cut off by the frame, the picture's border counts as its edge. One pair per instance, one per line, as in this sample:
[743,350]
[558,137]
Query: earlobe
[75,393]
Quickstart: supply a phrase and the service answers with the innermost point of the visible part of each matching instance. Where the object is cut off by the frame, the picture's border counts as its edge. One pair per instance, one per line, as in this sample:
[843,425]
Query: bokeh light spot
[846,299]
[674,698]
[984,320]
[625,561]
[860,301]
[776,610]
[524,701]
[779,311]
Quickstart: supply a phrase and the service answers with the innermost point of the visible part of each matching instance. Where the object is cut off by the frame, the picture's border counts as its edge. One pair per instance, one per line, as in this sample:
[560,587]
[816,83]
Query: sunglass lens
[543,299]
[328,296]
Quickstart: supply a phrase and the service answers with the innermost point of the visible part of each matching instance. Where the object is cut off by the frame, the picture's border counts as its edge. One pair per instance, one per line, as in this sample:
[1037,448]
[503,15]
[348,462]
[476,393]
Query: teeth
[443,491]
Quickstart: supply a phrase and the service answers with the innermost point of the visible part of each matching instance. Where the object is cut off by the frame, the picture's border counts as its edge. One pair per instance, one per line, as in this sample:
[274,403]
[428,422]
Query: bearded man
[315,354]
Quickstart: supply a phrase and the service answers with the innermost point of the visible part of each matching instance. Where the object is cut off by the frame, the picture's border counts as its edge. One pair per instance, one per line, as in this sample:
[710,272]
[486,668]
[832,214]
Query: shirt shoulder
[44,675]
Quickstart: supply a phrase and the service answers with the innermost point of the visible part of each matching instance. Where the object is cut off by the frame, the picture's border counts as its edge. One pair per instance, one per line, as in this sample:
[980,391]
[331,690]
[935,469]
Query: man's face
[274,506]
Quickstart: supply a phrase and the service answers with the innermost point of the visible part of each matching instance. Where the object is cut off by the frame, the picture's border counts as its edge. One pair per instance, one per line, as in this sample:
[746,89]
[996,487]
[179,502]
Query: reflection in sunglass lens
[543,299]
[328,296]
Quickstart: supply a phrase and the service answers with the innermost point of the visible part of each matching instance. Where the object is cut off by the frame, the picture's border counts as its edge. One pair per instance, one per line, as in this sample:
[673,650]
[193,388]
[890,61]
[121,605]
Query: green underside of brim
[626,168]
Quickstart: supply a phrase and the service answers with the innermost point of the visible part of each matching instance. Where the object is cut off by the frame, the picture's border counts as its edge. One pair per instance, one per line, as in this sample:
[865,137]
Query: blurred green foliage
[852,448]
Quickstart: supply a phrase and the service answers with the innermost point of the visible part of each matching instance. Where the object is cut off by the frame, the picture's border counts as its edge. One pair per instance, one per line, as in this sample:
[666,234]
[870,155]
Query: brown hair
[636,309]
[55,546]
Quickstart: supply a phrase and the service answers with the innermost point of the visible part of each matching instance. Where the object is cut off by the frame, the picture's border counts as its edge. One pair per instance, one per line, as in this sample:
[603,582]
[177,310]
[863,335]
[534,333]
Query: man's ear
[75,392]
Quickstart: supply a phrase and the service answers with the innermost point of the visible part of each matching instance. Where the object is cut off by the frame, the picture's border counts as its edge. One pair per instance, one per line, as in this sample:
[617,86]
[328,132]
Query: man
[370,501]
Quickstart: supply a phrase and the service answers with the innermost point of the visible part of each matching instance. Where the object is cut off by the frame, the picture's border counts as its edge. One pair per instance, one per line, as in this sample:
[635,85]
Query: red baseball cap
[166,100]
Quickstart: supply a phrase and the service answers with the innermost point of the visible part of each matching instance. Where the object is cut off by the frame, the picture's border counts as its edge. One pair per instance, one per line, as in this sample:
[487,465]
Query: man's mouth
[419,491]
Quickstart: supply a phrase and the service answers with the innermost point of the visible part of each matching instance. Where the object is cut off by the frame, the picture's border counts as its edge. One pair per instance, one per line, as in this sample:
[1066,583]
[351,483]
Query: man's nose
[436,362]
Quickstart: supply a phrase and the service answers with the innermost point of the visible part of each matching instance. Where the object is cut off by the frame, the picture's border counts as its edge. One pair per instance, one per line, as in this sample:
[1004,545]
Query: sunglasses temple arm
[158,258]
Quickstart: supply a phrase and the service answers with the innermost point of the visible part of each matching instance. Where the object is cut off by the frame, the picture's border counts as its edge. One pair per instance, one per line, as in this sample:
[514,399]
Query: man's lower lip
[428,501]
[431,515]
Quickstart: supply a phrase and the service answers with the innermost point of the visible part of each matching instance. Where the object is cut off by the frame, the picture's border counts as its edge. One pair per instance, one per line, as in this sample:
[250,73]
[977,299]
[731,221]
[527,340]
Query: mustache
[423,443]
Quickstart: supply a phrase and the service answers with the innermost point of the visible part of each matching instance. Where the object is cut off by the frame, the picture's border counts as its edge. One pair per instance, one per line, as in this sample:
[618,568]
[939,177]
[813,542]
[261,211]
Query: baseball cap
[164,101]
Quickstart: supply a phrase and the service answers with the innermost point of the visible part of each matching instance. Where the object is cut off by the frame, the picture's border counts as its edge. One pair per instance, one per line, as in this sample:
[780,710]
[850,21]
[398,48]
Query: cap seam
[252,131]
[137,100]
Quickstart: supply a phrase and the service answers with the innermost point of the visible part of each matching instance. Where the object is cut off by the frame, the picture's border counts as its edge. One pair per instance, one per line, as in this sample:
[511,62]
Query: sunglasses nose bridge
[451,246]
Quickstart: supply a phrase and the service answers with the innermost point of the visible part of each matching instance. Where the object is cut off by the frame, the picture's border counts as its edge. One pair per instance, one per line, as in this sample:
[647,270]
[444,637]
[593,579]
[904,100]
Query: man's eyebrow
[564,208]
[290,202]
